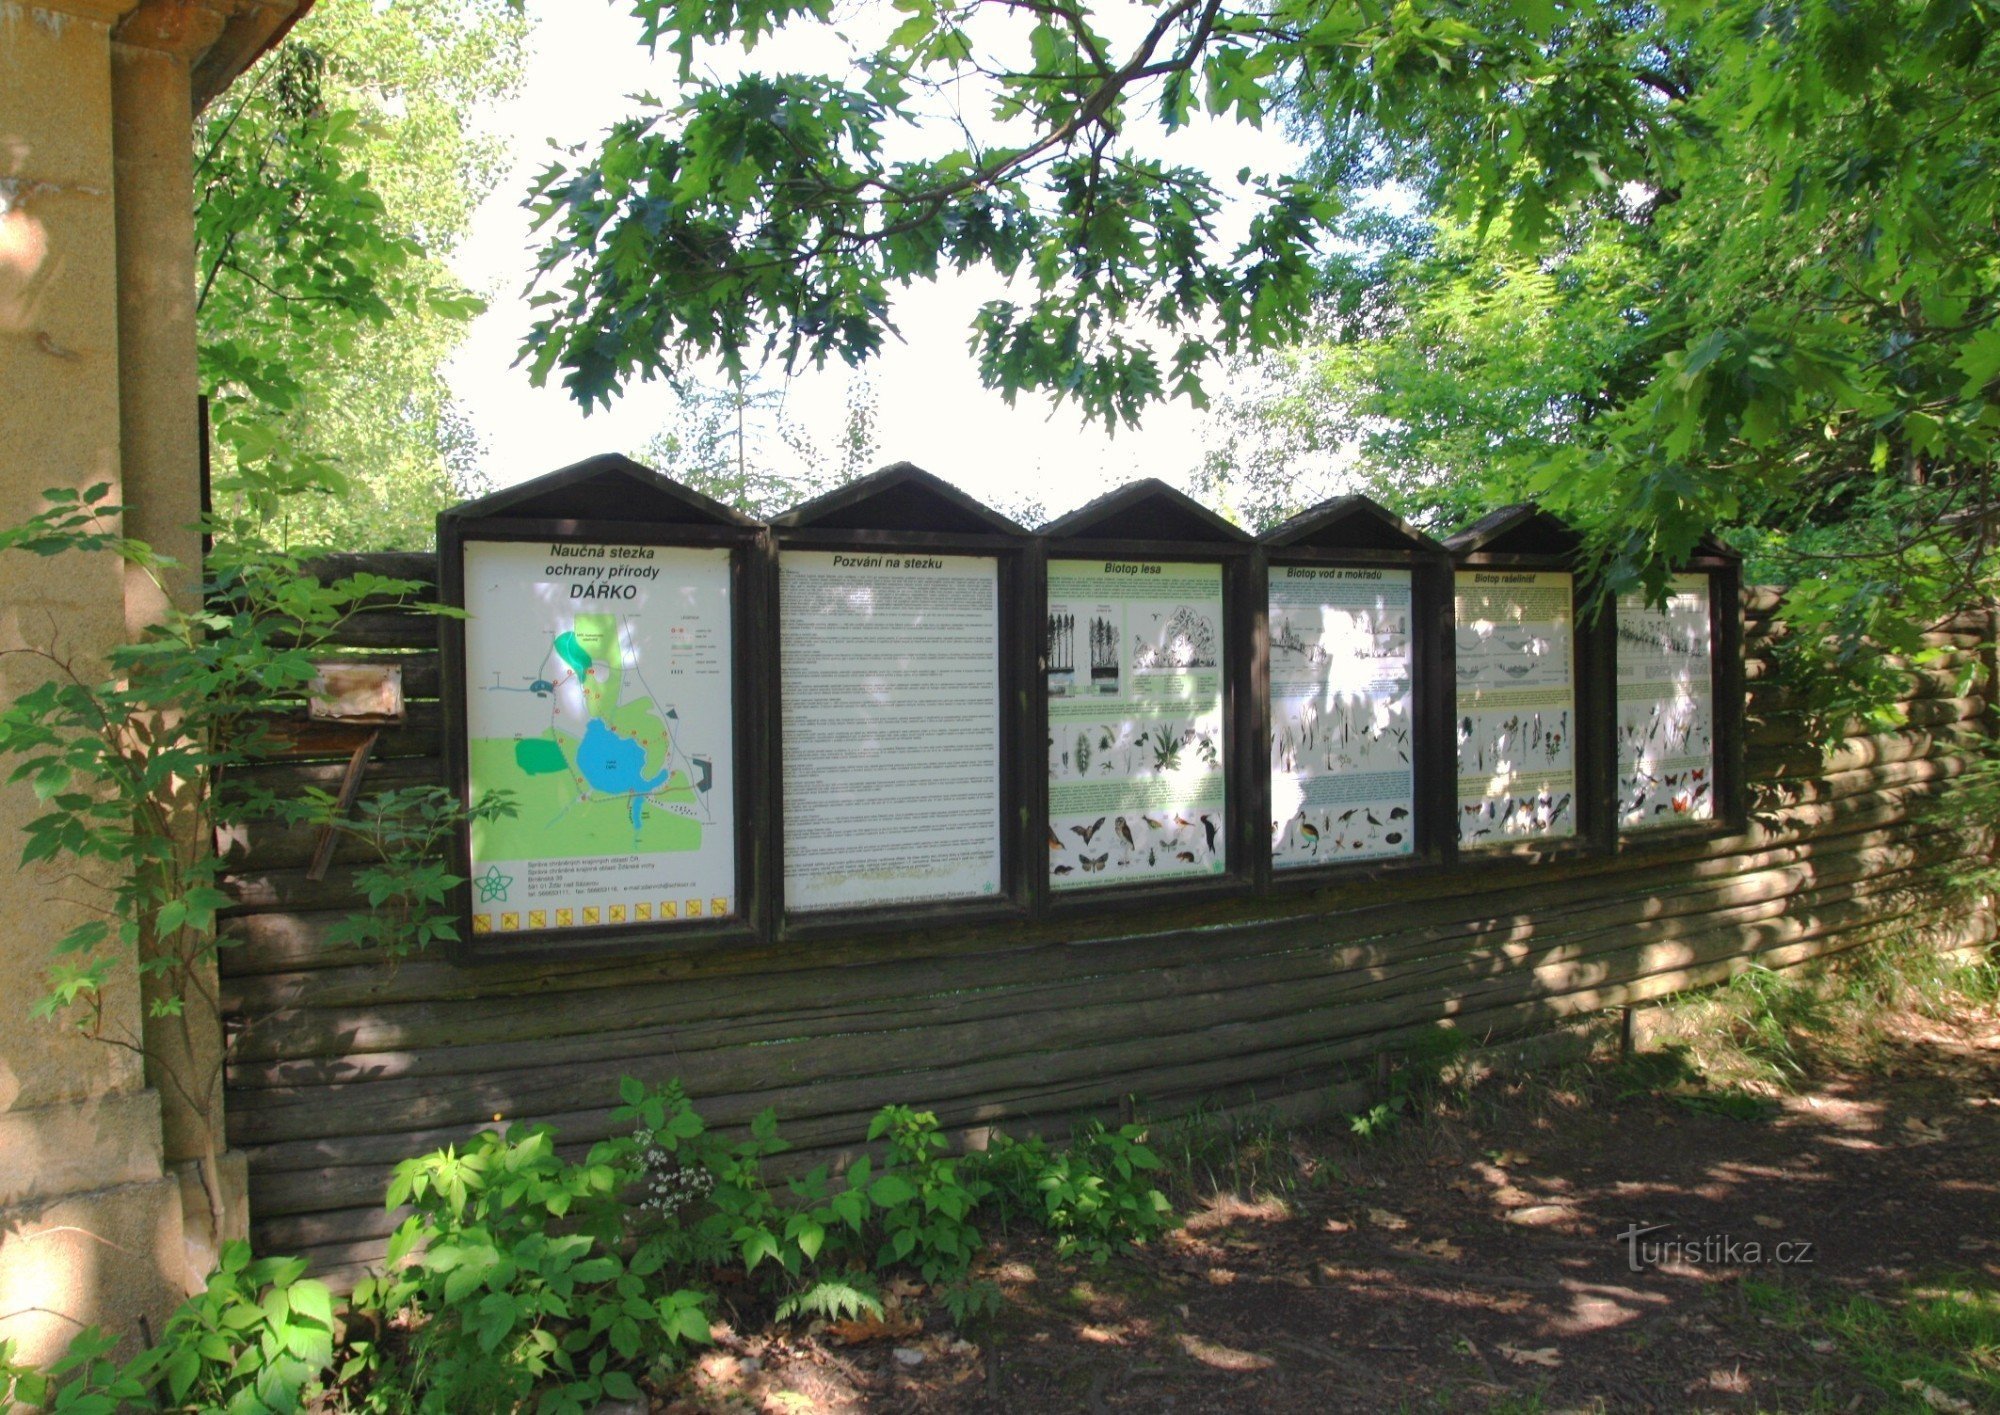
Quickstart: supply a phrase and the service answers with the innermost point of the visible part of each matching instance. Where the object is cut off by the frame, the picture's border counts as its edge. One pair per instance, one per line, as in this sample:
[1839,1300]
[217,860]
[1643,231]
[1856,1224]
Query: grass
[1208,1151]
[1764,1033]
[1933,1348]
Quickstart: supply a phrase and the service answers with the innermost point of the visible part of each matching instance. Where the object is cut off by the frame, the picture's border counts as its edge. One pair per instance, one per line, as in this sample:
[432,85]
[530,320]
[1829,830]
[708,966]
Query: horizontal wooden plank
[379,629]
[286,936]
[1331,1001]
[346,1014]
[1565,987]
[418,565]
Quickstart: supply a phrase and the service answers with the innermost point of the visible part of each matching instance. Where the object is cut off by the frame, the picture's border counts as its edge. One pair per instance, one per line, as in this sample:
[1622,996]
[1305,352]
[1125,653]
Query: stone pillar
[160,457]
[89,1220]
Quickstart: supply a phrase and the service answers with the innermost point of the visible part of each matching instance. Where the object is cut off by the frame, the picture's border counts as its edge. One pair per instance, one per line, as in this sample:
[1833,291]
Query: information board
[889,685]
[1343,781]
[1666,708]
[598,697]
[1135,656]
[1516,705]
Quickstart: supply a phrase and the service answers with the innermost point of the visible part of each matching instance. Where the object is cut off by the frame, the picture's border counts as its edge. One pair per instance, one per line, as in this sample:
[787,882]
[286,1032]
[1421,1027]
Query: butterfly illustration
[1093,864]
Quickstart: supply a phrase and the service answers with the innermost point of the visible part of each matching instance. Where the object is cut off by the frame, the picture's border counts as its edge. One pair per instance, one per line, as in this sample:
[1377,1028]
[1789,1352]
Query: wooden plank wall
[339,1065]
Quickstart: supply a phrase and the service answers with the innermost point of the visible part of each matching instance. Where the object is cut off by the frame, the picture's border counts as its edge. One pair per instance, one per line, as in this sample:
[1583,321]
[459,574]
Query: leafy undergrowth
[1816,1162]
[522,1280]
[1461,1250]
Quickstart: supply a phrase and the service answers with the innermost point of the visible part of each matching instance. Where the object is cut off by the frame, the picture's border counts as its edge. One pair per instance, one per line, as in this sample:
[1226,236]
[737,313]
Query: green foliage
[739,444]
[333,180]
[1933,1346]
[521,1280]
[806,225]
[124,754]
[925,1204]
[517,1284]
[407,880]
[1097,1196]
[1773,314]
[835,1299]
[259,1338]
[1418,1078]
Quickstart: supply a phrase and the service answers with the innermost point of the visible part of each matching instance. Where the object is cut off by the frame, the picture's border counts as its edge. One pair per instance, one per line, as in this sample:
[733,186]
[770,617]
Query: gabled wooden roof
[1144,510]
[1350,523]
[609,487]
[1521,529]
[903,497]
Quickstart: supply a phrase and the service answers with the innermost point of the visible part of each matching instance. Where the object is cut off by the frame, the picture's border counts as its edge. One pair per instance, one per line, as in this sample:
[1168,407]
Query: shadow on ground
[1476,1263]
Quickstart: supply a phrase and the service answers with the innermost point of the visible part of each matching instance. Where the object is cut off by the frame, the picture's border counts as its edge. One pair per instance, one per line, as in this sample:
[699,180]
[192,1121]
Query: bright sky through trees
[586,60]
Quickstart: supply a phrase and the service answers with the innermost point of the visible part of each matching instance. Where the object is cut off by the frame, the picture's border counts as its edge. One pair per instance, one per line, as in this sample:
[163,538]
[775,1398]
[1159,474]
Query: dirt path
[1475,1263]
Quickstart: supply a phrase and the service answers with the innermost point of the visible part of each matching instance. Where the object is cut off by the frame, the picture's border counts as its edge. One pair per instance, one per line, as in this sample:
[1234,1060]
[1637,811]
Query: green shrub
[1095,1197]
[926,1207]
[516,1281]
[523,1281]
[258,1338]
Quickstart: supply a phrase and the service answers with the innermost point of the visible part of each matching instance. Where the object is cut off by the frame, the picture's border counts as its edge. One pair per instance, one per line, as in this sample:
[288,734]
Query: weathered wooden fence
[340,1063]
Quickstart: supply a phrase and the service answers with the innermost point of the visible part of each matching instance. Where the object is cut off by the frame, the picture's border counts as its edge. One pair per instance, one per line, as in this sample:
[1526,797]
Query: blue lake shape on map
[616,765]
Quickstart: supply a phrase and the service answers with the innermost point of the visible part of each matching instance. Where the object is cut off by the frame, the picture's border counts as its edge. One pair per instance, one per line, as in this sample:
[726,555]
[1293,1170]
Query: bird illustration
[1124,833]
[1153,822]
[1310,832]
[1208,824]
[1055,841]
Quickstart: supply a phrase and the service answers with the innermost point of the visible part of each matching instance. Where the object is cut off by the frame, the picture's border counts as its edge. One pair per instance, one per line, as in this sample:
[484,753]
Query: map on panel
[598,698]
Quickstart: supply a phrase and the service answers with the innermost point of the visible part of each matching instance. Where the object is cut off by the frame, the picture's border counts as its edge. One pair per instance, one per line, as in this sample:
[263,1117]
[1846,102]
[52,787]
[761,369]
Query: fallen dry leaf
[1766,1221]
[1382,1218]
[1937,1399]
[893,1324]
[1537,1356]
[1223,1358]
[1442,1248]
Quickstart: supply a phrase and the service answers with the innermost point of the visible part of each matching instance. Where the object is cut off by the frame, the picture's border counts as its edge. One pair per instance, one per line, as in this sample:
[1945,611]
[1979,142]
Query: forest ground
[1827,1157]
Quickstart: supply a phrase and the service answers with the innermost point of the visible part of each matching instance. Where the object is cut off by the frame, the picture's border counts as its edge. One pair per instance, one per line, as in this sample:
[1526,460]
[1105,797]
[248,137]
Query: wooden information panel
[1343,740]
[890,697]
[1517,712]
[1136,671]
[598,698]
[1666,708]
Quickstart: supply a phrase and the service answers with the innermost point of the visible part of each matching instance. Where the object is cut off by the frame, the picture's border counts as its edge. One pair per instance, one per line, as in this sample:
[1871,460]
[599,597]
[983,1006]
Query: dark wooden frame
[605,491]
[1358,533]
[1126,524]
[1723,569]
[852,518]
[1525,537]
